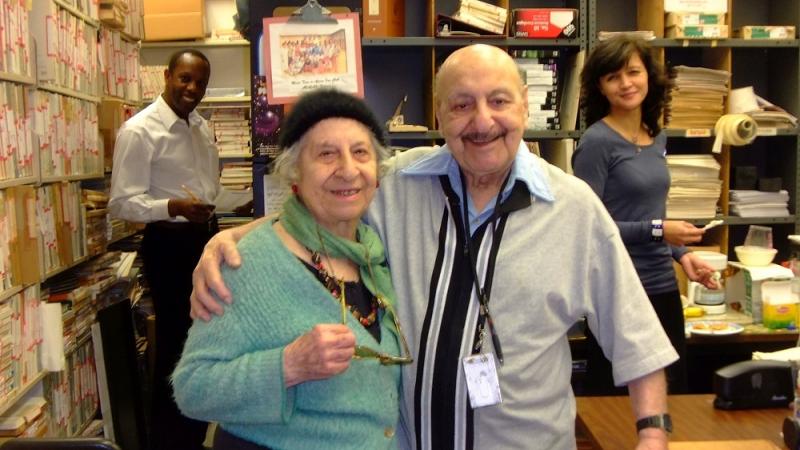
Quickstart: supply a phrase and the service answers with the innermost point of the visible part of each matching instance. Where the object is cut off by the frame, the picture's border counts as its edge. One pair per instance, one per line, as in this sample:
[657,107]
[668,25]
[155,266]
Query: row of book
[20,342]
[72,394]
[69,140]
[539,70]
[231,129]
[15,42]
[61,224]
[16,139]
[66,50]
[152,81]
[119,63]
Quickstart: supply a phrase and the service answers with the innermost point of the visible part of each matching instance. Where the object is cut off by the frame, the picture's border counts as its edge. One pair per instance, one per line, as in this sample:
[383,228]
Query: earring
[294,189]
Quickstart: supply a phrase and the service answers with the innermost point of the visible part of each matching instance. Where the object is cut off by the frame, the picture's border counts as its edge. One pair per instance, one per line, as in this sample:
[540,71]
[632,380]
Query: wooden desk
[608,422]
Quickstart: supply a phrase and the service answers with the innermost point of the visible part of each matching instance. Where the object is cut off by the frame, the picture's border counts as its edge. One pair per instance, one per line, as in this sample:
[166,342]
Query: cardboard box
[173,6]
[547,23]
[697,32]
[170,27]
[766,32]
[780,304]
[745,287]
[384,18]
[693,18]
[700,6]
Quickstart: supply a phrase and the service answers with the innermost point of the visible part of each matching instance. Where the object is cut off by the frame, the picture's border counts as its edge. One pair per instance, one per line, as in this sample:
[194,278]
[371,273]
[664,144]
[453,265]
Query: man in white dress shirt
[166,175]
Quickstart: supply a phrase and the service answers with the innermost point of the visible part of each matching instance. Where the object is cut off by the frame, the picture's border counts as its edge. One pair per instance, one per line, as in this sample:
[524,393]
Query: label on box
[548,23]
[684,18]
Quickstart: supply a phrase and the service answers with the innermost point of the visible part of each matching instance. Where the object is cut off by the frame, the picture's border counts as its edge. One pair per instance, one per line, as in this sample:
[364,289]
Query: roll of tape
[734,129]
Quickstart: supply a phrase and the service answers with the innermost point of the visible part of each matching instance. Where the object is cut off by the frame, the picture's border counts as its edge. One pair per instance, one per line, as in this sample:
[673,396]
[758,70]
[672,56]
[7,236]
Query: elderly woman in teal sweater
[307,357]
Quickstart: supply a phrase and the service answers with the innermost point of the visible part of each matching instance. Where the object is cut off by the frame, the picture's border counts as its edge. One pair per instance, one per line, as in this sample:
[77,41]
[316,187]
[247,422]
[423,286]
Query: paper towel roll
[734,129]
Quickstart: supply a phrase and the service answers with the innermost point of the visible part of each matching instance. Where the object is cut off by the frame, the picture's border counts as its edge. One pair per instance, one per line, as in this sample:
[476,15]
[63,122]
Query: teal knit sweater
[231,370]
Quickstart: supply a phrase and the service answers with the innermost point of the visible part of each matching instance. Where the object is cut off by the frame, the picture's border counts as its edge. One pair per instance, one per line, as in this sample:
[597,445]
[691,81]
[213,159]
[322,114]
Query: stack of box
[174,19]
[695,19]
[231,132]
[539,70]
[113,13]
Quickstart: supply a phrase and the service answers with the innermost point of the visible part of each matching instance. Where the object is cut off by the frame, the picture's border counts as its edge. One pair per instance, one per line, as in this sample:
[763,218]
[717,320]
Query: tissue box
[744,290]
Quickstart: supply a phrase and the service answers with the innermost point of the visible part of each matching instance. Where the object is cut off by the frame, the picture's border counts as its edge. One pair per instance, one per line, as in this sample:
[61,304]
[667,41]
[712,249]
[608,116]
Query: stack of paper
[539,70]
[119,64]
[695,187]
[482,15]
[747,203]
[15,43]
[697,98]
[16,127]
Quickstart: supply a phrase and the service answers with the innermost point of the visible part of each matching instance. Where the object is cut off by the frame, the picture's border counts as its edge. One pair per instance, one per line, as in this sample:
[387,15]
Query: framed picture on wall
[300,56]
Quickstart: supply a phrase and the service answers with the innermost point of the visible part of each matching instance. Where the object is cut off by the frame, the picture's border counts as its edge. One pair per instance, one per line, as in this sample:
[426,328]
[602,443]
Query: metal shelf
[692,133]
[422,41]
[736,220]
[78,13]
[725,43]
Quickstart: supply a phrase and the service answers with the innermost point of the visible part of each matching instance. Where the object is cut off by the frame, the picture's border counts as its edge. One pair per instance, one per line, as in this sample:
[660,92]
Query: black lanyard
[483,294]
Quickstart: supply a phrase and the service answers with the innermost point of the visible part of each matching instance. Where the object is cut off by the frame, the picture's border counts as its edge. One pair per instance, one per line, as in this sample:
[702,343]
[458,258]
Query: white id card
[482,383]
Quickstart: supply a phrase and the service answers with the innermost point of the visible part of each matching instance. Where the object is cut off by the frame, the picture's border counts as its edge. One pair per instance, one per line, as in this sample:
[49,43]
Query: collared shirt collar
[168,116]
[525,168]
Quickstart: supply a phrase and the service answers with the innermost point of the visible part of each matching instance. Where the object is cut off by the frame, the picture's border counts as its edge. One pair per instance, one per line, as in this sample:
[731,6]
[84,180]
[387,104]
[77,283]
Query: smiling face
[337,173]
[186,84]
[625,88]
[482,109]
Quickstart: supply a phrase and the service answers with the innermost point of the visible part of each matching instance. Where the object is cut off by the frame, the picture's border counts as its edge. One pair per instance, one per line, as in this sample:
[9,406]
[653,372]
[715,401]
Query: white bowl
[717,260]
[750,255]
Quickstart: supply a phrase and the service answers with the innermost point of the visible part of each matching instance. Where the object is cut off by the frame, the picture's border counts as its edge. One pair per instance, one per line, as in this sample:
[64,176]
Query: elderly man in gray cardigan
[494,254]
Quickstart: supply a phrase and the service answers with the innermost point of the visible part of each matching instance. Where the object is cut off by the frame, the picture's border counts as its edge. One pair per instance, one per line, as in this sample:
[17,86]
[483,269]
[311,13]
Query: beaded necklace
[336,287]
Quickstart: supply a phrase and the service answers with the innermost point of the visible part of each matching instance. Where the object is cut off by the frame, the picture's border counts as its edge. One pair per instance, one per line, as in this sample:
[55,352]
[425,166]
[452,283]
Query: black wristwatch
[663,421]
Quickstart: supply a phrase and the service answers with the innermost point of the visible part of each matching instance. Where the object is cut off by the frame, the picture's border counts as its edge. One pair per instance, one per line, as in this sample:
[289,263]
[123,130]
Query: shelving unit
[770,66]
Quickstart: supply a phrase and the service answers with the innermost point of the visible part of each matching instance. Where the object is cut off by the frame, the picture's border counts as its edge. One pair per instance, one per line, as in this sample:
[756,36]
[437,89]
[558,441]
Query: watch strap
[663,421]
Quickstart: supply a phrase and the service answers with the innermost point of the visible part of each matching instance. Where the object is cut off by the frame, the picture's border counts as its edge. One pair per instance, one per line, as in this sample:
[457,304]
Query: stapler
[397,123]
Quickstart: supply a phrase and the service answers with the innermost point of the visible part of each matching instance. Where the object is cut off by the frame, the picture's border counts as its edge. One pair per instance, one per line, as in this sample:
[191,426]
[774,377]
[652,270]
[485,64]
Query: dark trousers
[599,380]
[170,253]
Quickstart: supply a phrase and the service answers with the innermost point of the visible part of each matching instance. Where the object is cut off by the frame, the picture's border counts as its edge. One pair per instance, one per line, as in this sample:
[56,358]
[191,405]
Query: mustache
[482,137]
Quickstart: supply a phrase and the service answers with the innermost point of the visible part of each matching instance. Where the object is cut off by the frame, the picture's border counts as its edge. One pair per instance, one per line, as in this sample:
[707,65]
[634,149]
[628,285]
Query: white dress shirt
[157,153]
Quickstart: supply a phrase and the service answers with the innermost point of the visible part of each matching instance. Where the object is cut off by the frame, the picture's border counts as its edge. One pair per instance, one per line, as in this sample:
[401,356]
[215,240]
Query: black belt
[208,226]
[226,441]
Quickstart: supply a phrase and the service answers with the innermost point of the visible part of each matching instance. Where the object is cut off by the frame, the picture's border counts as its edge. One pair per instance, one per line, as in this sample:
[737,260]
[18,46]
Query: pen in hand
[190,193]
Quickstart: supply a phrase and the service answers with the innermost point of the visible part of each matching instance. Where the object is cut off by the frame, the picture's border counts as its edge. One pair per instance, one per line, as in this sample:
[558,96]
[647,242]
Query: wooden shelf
[61,269]
[205,43]
[119,238]
[113,98]
[18,181]
[17,78]
[21,392]
[10,292]
[77,13]
[69,92]
[78,177]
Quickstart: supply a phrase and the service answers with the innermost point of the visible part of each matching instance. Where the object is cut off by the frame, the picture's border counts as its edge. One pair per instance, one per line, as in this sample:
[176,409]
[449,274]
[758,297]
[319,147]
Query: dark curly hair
[610,56]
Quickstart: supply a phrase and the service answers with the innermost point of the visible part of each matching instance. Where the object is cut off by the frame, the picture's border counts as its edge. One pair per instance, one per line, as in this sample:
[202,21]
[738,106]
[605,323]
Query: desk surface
[608,421]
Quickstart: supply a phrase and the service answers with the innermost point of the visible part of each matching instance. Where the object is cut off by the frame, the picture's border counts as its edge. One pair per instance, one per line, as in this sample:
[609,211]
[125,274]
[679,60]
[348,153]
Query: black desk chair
[59,444]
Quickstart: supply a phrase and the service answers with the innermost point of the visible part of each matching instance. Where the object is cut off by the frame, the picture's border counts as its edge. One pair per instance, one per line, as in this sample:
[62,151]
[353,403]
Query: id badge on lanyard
[482,383]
